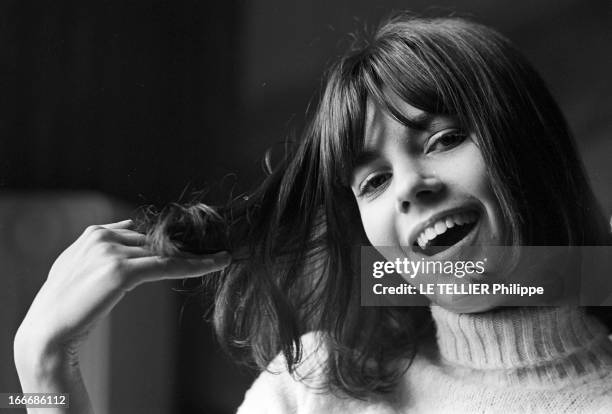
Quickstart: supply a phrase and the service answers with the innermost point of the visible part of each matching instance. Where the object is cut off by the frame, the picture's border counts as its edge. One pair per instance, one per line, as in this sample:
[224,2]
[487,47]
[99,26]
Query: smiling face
[424,186]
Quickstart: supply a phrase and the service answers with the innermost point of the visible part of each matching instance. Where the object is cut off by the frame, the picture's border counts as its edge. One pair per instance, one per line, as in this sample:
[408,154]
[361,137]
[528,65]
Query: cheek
[377,223]
[471,177]
[470,173]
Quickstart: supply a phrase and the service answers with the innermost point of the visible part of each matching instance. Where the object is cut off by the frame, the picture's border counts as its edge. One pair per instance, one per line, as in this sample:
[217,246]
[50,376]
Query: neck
[538,342]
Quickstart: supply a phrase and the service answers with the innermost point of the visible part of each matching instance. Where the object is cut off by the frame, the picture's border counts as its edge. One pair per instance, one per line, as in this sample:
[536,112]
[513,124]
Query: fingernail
[222,258]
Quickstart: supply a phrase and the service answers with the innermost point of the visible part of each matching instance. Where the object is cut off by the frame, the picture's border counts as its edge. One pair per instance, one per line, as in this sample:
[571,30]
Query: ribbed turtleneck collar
[542,343]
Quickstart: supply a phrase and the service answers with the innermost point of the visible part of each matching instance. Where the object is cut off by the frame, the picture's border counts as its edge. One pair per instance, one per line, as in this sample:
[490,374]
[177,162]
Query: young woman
[430,125]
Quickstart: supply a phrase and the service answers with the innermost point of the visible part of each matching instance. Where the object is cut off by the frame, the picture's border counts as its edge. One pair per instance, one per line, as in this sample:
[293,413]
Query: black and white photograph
[306,207]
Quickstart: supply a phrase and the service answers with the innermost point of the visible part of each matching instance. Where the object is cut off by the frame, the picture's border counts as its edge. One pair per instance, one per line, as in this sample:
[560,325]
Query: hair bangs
[397,70]
[344,107]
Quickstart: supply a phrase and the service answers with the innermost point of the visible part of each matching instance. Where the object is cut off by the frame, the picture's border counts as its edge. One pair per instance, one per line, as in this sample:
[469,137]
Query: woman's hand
[86,281]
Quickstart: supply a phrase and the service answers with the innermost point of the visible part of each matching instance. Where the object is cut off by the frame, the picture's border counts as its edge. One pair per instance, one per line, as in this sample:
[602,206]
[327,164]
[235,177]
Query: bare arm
[86,281]
[41,371]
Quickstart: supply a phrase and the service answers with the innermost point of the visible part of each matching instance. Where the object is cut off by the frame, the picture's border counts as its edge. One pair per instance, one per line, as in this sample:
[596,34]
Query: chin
[466,303]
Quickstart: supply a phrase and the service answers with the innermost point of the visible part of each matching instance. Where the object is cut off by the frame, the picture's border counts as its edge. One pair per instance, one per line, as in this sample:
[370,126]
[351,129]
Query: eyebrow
[364,157]
[421,122]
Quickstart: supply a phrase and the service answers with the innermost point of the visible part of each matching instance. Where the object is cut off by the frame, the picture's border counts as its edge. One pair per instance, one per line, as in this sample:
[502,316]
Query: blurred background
[111,105]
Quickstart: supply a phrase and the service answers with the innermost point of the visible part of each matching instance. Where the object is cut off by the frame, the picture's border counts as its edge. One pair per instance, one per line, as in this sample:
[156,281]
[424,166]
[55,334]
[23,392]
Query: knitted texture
[513,360]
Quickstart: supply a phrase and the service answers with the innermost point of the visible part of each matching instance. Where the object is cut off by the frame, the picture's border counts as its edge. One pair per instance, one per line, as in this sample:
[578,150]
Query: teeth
[422,241]
[430,233]
[440,227]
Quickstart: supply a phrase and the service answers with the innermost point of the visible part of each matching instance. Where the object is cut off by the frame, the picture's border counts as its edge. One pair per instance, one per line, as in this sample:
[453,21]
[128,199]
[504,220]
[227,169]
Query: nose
[416,187]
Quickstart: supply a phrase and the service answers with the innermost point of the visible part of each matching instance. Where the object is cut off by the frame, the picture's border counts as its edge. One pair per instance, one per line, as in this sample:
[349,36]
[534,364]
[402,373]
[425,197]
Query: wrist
[41,364]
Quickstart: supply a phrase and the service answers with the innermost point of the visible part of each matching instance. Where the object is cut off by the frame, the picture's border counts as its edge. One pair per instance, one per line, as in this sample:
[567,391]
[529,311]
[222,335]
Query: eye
[373,183]
[445,140]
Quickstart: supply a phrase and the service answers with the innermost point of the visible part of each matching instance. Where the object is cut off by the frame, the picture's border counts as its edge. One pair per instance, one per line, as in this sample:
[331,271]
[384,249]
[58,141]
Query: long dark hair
[294,239]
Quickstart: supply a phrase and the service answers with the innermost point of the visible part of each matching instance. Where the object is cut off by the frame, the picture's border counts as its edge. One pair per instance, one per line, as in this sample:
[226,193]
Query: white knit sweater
[520,360]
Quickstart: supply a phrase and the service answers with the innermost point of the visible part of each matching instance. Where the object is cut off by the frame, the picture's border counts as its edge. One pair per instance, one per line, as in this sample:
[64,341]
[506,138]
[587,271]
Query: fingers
[116,232]
[130,237]
[131,252]
[132,263]
[124,224]
[102,232]
[148,269]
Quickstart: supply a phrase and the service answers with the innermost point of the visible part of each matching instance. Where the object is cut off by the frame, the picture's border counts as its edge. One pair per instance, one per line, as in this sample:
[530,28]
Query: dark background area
[142,100]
